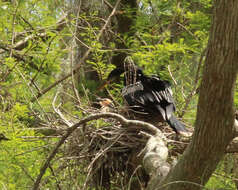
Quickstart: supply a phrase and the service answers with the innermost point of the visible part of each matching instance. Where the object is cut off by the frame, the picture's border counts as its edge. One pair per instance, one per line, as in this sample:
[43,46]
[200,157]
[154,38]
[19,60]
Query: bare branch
[175,82]
[82,59]
[156,153]
[121,119]
[56,109]
[183,27]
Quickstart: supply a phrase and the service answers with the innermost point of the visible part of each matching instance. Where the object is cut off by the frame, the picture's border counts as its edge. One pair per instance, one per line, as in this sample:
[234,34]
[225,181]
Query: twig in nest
[100,153]
[70,130]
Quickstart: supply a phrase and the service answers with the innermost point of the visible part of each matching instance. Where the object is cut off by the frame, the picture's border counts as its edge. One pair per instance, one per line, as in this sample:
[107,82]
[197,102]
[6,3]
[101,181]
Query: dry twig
[69,131]
[83,58]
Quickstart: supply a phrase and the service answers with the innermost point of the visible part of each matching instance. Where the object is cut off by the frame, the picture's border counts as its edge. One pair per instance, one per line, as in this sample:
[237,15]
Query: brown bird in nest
[106,105]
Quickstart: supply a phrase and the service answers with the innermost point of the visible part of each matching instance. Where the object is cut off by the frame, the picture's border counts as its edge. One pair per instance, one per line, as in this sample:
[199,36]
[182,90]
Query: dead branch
[57,110]
[155,158]
[171,75]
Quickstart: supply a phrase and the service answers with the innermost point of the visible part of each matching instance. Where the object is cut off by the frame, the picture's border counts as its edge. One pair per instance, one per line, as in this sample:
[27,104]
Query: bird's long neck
[115,73]
[130,78]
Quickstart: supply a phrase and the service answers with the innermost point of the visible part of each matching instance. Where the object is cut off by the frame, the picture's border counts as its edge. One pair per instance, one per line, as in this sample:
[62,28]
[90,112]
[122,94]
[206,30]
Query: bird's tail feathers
[177,126]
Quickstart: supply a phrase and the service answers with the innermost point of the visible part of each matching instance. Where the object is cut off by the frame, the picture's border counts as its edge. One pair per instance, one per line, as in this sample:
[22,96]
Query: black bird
[149,95]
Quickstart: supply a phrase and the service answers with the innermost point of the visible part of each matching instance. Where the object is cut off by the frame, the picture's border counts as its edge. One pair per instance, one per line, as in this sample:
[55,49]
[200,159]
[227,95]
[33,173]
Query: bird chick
[106,105]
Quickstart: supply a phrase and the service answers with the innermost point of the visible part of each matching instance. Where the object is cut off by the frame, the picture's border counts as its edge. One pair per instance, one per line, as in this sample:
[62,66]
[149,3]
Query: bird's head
[139,73]
[105,102]
[113,75]
[106,105]
[132,73]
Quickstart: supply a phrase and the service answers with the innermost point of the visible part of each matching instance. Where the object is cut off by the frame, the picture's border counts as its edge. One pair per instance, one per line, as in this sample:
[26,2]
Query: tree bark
[215,113]
[124,25]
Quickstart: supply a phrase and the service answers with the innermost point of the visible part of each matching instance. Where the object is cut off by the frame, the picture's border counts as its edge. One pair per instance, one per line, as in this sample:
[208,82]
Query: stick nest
[111,154]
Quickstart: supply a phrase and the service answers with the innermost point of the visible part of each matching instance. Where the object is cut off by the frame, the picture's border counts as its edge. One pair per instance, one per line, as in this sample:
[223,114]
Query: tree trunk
[215,114]
[124,25]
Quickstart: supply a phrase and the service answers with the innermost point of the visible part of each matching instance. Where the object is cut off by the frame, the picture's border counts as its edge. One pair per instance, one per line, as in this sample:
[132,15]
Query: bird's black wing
[153,96]
[134,96]
[150,95]
[163,94]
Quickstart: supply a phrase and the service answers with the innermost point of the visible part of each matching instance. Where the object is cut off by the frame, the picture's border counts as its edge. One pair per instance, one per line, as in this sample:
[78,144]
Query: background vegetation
[61,47]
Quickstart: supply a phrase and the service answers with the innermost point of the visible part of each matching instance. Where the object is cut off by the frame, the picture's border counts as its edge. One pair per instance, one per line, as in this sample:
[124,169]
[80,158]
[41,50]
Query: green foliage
[223,177]
[220,183]
[19,157]
[167,39]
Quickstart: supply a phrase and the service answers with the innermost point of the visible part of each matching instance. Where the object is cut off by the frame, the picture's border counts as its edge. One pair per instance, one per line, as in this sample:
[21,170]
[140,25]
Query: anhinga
[148,95]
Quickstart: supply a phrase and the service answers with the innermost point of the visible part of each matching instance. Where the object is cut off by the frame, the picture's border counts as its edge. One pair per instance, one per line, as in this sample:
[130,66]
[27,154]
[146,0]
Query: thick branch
[231,148]
[154,161]
[235,128]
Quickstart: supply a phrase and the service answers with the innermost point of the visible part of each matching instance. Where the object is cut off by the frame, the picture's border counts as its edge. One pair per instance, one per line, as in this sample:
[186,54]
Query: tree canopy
[54,56]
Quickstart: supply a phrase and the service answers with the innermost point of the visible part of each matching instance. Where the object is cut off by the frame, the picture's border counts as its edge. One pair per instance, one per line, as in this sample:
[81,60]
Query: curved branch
[70,130]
